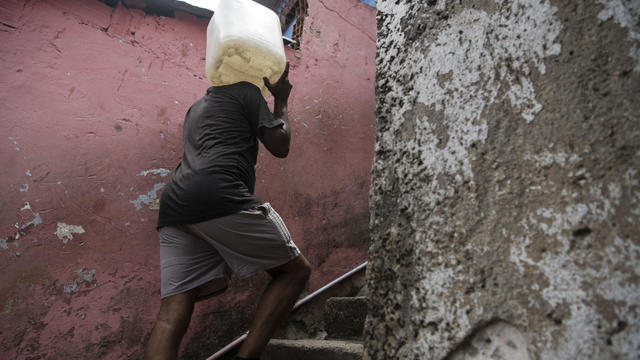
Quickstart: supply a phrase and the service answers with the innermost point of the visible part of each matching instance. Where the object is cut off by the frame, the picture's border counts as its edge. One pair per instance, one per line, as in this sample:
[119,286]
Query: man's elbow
[277,141]
[280,143]
[281,152]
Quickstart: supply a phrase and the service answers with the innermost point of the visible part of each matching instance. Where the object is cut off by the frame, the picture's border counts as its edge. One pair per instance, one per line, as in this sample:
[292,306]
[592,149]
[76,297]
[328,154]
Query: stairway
[329,332]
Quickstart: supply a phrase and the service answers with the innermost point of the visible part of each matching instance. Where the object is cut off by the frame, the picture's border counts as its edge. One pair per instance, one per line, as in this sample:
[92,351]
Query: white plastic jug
[244,43]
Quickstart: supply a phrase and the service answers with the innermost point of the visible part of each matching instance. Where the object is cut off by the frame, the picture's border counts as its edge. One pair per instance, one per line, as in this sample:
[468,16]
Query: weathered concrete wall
[92,100]
[505,194]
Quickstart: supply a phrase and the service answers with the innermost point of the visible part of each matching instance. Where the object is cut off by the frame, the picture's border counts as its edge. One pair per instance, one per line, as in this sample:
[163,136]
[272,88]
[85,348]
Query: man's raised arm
[277,139]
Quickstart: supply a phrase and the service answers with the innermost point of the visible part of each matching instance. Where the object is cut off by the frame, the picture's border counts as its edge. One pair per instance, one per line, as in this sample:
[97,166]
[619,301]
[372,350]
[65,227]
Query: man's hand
[282,88]
[277,139]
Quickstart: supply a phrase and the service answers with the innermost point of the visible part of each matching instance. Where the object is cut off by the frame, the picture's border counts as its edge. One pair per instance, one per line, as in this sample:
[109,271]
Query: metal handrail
[301,302]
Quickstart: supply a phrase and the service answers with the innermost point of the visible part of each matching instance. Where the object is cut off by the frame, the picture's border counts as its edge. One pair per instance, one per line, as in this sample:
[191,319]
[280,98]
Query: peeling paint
[22,229]
[15,142]
[35,221]
[65,232]
[160,171]
[83,276]
[25,188]
[150,198]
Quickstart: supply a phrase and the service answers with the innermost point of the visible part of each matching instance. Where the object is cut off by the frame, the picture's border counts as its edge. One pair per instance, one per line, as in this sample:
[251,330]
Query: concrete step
[279,349]
[344,317]
[308,321]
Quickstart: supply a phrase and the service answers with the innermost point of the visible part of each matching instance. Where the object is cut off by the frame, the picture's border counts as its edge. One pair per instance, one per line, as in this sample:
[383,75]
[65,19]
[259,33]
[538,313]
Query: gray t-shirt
[216,176]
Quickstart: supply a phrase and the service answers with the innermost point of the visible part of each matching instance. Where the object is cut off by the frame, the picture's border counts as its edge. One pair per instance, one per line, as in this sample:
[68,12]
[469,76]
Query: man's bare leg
[276,302]
[173,320]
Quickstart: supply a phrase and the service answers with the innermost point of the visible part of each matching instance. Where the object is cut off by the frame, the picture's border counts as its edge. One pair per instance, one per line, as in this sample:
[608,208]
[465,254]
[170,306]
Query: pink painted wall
[92,101]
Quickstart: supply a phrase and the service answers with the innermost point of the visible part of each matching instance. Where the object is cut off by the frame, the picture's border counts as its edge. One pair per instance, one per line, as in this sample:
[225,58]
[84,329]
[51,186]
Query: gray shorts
[205,254]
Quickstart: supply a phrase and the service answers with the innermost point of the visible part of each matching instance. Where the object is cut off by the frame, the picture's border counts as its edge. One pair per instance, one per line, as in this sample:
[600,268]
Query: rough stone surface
[344,317]
[505,182]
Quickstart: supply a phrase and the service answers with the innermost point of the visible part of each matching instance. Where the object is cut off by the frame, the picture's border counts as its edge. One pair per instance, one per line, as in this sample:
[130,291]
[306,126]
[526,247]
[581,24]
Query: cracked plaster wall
[505,183]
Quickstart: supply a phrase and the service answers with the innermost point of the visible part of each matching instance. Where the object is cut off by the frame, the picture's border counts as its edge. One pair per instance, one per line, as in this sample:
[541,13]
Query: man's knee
[297,269]
[303,269]
[307,268]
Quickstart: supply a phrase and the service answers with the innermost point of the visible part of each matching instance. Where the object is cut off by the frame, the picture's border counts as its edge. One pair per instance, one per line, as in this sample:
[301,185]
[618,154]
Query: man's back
[216,175]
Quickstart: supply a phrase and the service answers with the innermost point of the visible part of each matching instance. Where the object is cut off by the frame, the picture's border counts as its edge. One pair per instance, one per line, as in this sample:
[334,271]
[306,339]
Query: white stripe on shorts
[282,228]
